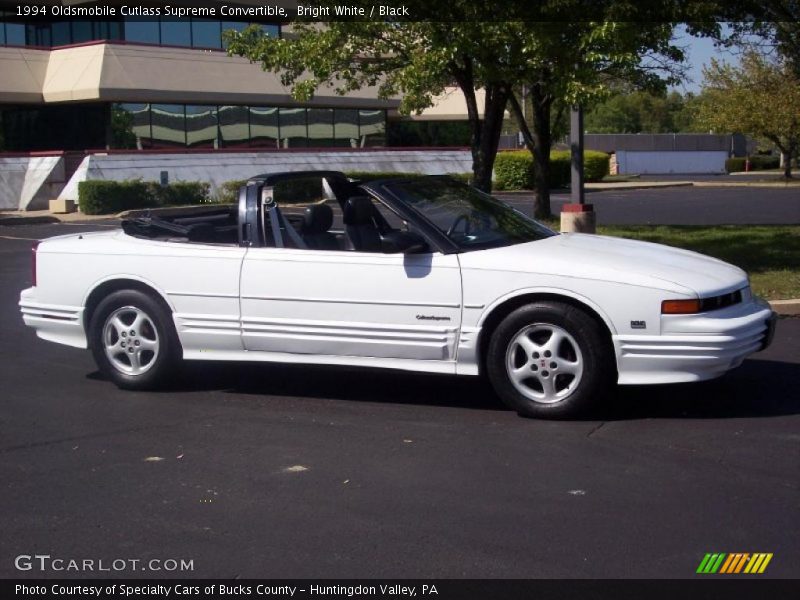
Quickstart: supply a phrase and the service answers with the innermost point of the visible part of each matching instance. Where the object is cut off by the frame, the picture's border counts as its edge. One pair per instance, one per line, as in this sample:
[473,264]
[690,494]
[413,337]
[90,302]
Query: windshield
[472,219]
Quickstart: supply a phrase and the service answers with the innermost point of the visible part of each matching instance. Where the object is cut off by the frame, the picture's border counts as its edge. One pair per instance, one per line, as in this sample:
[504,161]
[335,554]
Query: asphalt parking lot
[273,471]
[682,205]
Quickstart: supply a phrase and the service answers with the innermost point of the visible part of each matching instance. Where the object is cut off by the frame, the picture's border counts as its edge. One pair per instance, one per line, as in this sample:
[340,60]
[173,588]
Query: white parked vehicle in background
[423,274]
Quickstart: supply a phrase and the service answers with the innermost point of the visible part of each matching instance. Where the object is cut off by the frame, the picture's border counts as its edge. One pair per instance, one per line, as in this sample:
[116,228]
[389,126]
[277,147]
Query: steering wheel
[456,223]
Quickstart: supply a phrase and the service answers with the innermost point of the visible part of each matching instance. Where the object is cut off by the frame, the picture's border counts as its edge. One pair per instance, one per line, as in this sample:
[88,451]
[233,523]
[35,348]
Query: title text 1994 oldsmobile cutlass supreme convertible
[423,274]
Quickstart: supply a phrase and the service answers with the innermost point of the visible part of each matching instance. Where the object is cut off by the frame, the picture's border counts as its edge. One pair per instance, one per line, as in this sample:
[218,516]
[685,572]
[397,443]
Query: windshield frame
[382,188]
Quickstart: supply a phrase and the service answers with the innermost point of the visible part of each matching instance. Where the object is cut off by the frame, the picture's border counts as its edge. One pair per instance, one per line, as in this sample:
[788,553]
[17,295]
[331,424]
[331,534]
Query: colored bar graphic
[741,562]
[715,567]
[764,564]
[728,563]
[703,563]
[734,563]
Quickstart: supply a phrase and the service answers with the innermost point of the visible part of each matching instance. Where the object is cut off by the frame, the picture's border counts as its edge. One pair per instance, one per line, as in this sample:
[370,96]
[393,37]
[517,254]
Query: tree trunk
[484,133]
[786,157]
[542,142]
[493,110]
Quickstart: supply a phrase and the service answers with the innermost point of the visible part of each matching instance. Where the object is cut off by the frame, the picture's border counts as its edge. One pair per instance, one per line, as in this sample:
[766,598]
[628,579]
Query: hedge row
[515,170]
[108,197]
[757,163]
[299,191]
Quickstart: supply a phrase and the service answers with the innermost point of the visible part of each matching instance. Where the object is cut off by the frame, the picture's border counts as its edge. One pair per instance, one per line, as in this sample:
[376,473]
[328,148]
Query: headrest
[358,210]
[317,218]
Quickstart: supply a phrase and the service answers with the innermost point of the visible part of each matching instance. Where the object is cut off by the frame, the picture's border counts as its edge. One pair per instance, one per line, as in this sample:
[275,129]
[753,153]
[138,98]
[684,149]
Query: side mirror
[405,242]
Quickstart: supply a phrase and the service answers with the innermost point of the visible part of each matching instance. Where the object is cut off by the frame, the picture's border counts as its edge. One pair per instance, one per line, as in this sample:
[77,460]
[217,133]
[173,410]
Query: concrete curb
[751,184]
[605,187]
[38,220]
[786,308]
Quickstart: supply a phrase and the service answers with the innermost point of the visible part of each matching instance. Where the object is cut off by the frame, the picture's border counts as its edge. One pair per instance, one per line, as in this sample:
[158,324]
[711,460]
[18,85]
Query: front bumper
[695,347]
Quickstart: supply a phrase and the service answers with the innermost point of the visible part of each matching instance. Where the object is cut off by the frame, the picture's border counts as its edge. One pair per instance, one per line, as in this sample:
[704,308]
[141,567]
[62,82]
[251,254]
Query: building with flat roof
[159,83]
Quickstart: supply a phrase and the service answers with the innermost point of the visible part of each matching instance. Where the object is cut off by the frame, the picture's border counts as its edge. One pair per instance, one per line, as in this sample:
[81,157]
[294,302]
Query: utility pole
[577,216]
[576,150]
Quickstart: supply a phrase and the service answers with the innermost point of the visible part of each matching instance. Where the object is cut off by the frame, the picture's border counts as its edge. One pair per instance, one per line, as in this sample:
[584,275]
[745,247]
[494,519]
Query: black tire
[593,360]
[154,365]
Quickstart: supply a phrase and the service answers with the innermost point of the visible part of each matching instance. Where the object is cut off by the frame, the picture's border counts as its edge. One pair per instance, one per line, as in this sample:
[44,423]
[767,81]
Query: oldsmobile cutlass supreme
[424,274]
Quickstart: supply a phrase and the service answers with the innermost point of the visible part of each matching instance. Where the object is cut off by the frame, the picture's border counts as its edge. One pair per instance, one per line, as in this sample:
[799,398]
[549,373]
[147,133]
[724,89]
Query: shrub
[307,190]
[757,163]
[105,197]
[735,164]
[109,197]
[515,171]
[179,193]
[366,176]
[760,162]
[228,192]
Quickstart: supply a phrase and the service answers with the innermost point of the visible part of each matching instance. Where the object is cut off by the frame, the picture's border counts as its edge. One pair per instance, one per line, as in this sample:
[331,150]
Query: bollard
[578,218]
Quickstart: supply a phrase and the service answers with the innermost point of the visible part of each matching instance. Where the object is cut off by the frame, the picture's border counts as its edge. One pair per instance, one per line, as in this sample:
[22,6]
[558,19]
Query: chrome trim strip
[346,301]
[202,294]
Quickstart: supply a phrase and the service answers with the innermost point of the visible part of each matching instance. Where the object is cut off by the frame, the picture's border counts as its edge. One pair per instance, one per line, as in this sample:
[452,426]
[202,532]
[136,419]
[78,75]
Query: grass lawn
[769,253]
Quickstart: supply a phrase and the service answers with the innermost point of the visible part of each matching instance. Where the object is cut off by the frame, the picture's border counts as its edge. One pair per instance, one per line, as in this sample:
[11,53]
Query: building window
[372,127]
[234,128]
[130,126]
[294,129]
[264,127]
[168,124]
[59,127]
[108,30]
[139,126]
[320,127]
[345,128]
[61,34]
[201,126]
[176,33]
[198,33]
[37,34]
[143,30]
[82,31]
[15,34]
[206,33]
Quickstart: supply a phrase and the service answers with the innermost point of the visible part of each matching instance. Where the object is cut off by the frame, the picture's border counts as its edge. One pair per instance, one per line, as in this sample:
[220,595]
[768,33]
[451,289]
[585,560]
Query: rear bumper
[695,347]
[53,322]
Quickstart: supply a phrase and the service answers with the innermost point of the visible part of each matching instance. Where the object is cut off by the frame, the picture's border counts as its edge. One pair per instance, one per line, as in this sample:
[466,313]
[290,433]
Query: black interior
[362,231]
[315,228]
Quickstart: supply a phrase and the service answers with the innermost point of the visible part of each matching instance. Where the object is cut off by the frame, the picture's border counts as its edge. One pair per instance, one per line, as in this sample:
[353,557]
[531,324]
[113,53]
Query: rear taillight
[34,247]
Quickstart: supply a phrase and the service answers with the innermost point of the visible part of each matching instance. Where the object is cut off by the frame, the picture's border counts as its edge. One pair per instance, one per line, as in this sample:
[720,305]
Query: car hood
[614,259]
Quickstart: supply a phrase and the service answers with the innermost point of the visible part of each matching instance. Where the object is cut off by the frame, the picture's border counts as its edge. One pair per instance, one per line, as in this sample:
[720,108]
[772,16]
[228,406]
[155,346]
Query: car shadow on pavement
[759,388]
[340,383]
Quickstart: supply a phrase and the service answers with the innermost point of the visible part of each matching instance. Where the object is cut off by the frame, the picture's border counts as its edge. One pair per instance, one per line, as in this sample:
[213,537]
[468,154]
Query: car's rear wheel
[133,340]
[550,360]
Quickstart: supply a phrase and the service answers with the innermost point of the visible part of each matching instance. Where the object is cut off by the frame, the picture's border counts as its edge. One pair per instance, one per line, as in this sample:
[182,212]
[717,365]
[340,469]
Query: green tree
[642,112]
[576,62]
[558,59]
[769,26]
[760,97]
[413,60]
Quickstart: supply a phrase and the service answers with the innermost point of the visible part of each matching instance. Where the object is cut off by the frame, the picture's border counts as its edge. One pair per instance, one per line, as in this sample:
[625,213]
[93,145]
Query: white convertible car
[423,274]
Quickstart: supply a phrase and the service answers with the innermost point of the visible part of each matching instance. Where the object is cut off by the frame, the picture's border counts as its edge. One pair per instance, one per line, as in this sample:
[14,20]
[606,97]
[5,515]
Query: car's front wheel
[550,360]
[133,340]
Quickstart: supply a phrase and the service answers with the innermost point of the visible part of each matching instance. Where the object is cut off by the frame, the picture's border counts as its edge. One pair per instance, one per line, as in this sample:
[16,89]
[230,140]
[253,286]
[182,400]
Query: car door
[350,303]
